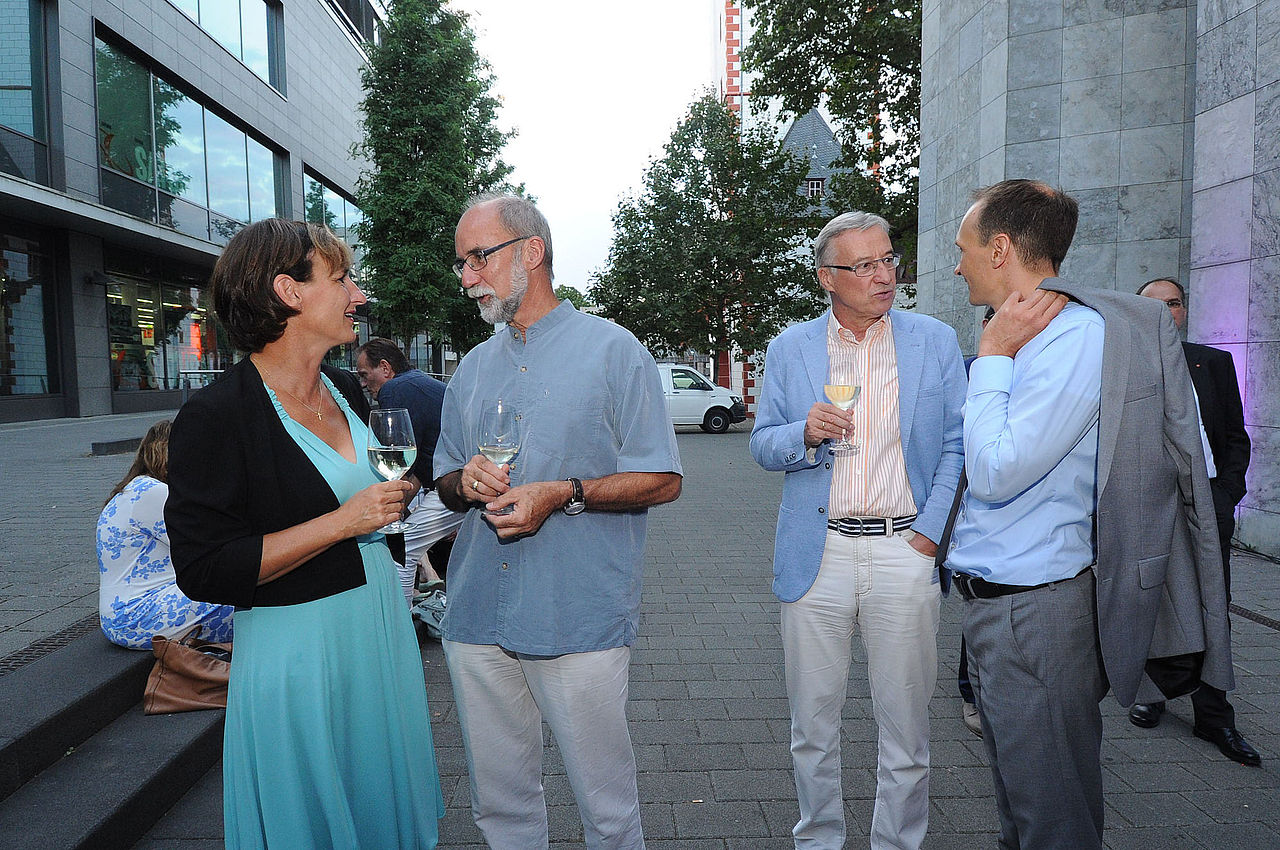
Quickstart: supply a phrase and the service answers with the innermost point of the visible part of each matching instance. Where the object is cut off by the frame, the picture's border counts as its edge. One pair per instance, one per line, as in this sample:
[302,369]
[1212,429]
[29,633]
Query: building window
[815,187]
[23,150]
[160,327]
[325,205]
[167,158]
[248,29]
[361,17]
[27,358]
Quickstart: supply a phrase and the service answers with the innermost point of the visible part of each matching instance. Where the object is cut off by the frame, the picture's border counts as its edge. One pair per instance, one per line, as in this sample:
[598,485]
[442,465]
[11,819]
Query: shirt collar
[551,320]
[840,333]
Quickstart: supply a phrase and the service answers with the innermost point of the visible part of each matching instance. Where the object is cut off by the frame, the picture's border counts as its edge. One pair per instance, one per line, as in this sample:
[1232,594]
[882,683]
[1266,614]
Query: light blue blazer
[931,392]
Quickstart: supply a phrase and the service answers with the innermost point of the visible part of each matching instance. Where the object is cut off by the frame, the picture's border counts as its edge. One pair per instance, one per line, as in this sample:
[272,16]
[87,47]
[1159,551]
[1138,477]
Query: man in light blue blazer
[859,524]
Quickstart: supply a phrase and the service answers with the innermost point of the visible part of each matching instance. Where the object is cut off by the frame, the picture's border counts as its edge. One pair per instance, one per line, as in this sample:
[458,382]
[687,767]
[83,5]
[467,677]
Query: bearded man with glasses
[857,532]
[544,601]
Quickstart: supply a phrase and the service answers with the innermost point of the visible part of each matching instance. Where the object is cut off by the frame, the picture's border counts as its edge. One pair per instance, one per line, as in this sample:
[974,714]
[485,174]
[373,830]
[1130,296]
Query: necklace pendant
[319,416]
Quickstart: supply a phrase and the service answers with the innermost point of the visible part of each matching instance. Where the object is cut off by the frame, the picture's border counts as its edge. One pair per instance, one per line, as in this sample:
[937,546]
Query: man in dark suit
[1213,374]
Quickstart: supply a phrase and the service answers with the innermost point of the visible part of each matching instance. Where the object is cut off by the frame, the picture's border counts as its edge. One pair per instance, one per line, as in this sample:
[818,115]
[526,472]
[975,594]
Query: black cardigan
[235,475]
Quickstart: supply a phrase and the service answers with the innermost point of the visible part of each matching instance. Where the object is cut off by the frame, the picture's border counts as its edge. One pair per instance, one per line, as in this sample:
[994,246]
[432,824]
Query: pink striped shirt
[874,481]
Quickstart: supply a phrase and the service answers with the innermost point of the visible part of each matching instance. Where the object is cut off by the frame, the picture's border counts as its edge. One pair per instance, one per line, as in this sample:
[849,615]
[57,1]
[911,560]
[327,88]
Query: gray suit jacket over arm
[1159,571]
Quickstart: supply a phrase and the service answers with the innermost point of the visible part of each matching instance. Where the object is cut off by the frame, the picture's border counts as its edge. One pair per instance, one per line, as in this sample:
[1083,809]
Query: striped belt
[870,526]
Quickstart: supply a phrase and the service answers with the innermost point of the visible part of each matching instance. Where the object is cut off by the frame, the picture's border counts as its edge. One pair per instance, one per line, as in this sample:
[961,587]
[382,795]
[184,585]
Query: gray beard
[502,310]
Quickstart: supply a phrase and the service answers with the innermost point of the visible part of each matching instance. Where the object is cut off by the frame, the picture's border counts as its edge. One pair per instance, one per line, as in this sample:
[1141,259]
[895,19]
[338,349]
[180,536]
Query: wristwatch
[577,502]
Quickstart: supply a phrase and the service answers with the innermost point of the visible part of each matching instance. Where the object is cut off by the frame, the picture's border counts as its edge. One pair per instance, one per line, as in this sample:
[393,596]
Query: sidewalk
[708,707]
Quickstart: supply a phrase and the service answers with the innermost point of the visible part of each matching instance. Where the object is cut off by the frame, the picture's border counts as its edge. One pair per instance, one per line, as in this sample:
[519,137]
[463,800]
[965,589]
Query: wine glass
[843,396]
[499,437]
[392,450]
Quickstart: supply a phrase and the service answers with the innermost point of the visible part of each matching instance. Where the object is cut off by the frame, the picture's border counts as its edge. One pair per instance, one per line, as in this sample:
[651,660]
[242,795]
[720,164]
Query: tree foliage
[860,59]
[432,142]
[575,297]
[710,255]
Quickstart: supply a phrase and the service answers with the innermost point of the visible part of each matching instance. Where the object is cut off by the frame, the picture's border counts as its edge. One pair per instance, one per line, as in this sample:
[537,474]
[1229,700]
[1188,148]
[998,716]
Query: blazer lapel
[908,353]
[815,357]
[1116,345]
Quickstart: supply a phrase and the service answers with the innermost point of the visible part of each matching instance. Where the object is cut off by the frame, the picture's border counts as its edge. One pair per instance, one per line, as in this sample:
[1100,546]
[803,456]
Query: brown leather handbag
[189,674]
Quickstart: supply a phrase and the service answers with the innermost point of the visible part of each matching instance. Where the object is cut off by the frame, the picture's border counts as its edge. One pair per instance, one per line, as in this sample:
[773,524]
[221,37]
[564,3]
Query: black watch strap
[577,502]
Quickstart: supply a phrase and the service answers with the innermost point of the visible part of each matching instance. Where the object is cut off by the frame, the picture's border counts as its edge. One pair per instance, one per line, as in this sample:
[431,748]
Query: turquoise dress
[328,741]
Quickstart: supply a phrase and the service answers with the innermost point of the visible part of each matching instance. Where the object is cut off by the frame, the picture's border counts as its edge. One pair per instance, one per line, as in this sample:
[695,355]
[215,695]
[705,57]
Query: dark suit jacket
[236,475]
[1214,374]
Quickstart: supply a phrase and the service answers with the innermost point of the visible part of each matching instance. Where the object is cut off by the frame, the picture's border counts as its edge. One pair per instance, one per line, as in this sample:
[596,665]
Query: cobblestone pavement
[708,707]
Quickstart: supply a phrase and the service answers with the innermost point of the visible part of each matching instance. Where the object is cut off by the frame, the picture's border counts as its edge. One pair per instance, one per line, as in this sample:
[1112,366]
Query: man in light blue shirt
[544,600]
[1023,540]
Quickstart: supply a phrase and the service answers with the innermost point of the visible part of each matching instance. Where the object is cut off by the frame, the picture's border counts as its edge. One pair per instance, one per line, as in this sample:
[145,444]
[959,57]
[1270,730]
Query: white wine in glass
[843,396]
[392,450]
[499,437]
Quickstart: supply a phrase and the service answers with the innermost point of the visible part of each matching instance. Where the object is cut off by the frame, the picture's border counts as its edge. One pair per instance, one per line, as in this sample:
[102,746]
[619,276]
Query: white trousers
[429,522]
[890,593]
[502,700]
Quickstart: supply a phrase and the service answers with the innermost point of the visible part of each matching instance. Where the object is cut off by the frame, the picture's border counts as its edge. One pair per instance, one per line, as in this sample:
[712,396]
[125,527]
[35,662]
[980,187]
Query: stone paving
[708,706]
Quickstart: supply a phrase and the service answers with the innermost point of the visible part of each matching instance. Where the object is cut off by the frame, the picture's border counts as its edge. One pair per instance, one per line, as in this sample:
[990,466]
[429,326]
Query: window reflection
[26,319]
[125,142]
[243,27]
[161,334]
[179,133]
[323,204]
[254,37]
[131,329]
[21,67]
[262,182]
[228,168]
[221,19]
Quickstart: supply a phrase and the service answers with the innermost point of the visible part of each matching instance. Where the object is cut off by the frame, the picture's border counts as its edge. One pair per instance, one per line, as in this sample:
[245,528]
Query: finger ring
[475,485]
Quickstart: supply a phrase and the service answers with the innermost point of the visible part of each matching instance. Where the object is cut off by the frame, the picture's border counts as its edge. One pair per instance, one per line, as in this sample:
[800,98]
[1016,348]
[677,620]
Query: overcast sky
[594,89]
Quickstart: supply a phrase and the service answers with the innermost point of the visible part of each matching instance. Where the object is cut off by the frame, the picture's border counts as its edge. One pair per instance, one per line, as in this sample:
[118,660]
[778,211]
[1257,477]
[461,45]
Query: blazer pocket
[1139,392]
[1151,571]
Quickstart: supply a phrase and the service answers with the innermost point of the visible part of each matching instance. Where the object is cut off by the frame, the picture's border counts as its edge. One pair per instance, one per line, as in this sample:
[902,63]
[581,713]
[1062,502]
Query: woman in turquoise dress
[273,508]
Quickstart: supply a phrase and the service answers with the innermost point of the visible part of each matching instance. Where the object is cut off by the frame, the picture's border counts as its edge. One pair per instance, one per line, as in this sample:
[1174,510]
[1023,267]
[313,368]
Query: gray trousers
[1036,668]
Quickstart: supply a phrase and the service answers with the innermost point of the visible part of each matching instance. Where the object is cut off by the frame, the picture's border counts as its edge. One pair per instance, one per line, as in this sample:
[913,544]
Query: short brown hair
[380,348]
[1039,219]
[244,296]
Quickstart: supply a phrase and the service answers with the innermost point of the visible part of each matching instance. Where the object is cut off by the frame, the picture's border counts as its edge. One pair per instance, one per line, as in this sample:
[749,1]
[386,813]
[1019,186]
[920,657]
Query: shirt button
[828,465]
[504,566]
[822,510]
[524,368]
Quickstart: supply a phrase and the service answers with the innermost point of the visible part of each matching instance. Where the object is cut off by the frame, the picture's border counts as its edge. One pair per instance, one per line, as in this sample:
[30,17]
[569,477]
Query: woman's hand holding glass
[373,507]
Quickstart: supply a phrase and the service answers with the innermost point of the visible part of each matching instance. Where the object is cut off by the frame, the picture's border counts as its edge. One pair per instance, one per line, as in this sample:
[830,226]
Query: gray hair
[843,223]
[521,218]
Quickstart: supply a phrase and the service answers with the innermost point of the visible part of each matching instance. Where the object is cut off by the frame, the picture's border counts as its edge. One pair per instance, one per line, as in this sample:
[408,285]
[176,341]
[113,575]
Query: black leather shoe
[1146,715]
[1230,743]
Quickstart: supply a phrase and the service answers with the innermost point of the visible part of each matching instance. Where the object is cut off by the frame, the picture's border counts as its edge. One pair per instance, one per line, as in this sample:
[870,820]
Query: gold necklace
[318,411]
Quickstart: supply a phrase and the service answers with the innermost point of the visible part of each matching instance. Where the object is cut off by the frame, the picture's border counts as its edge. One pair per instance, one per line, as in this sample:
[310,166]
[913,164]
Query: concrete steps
[80,765]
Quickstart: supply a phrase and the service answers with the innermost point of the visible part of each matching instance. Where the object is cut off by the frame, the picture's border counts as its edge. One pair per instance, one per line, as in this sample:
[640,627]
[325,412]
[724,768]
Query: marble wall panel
[1218,303]
[1035,59]
[1033,114]
[1264,305]
[1151,154]
[1268,66]
[1266,213]
[1221,218]
[1092,50]
[1090,162]
[994,80]
[1091,105]
[1099,214]
[1092,263]
[1254,526]
[1088,11]
[1155,40]
[1213,13]
[1224,143]
[995,24]
[1035,160]
[1226,58]
[1266,120]
[1138,262]
[991,126]
[991,168]
[1150,211]
[969,43]
[1034,16]
[1154,96]
[1262,389]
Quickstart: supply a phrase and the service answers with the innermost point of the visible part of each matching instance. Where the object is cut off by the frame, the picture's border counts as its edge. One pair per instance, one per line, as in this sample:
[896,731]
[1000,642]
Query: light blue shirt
[590,402]
[1031,452]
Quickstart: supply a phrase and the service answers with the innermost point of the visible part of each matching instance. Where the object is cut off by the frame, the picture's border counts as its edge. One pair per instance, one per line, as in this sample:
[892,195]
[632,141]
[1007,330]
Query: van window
[683,379]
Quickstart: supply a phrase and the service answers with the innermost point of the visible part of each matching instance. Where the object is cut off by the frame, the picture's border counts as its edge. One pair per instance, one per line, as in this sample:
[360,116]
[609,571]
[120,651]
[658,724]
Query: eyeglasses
[1174,303]
[479,258]
[868,268]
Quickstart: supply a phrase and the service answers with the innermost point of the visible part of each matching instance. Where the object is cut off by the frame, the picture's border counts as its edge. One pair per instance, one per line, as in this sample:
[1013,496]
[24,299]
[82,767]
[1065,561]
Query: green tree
[710,255]
[576,298]
[862,61]
[432,142]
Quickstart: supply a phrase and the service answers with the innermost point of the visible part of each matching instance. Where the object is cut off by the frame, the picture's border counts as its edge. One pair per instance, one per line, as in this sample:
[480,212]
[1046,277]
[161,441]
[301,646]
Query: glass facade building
[136,137]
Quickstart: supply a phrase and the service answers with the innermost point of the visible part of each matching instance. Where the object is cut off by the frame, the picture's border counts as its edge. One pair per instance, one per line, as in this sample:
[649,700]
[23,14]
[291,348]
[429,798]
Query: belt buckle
[860,528]
[961,581]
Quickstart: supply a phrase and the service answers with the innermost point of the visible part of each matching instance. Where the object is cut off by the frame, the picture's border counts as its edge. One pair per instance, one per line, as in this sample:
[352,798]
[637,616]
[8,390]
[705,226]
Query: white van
[692,399]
